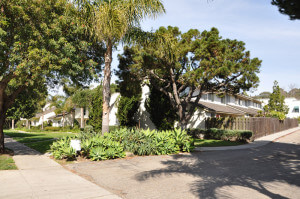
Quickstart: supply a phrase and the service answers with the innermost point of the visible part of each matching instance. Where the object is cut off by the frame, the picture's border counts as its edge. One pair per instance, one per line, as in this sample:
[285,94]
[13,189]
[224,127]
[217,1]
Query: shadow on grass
[250,168]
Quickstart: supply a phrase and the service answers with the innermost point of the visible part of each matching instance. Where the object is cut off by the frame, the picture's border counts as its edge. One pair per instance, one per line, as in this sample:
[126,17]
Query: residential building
[292,103]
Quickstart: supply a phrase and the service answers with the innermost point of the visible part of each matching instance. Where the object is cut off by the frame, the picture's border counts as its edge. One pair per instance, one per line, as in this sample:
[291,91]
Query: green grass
[215,143]
[39,141]
[7,163]
[75,130]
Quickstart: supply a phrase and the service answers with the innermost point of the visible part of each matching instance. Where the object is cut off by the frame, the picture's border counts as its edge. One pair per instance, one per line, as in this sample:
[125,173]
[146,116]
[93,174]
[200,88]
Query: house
[210,105]
[47,112]
[67,119]
[292,103]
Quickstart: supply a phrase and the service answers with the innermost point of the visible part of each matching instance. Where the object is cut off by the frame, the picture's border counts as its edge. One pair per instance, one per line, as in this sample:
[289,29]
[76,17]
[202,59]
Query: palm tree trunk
[73,118]
[81,118]
[13,124]
[106,88]
[42,121]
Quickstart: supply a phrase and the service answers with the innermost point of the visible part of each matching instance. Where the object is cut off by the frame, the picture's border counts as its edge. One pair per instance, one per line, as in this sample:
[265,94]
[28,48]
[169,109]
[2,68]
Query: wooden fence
[260,126]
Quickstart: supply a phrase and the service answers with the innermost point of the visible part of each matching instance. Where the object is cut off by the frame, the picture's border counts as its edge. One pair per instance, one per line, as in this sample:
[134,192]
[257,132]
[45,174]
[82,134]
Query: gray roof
[45,112]
[224,109]
[250,111]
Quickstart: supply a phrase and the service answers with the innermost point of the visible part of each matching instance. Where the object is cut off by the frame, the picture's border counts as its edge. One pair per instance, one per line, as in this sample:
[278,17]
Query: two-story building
[292,103]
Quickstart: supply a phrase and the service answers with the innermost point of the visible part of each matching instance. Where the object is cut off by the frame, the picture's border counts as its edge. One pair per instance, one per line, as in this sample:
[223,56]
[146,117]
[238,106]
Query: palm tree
[109,21]
[58,102]
[82,99]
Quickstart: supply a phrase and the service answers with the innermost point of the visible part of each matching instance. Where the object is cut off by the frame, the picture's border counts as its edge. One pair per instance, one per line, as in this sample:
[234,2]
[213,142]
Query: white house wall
[78,113]
[198,119]
[142,116]
[44,118]
[290,102]
[113,120]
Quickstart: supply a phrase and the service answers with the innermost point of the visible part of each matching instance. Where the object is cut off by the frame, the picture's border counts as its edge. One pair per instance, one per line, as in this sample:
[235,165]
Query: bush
[127,107]
[162,113]
[61,149]
[20,124]
[114,144]
[232,135]
[52,128]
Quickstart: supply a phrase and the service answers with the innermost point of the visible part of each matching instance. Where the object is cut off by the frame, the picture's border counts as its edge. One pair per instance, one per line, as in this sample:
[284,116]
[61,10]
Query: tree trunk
[26,123]
[81,118]
[42,122]
[182,120]
[13,124]
[2,120]
[73,118]
[63,118]
[106,88]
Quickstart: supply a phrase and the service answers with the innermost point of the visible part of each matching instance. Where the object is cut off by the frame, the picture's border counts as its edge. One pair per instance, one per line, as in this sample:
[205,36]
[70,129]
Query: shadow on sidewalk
[250,168]
[19,148]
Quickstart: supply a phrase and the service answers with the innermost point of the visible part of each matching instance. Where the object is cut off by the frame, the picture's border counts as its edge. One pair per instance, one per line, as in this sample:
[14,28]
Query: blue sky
[268,35]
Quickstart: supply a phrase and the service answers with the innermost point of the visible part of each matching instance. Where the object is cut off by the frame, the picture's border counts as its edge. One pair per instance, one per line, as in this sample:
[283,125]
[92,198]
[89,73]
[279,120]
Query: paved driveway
[270,171]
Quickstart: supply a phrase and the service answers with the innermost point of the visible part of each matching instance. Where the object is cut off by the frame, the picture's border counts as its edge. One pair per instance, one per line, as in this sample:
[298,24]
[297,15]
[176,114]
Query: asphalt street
[270,171]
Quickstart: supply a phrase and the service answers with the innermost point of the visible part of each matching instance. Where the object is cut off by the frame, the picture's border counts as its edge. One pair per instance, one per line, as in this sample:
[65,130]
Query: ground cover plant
[7,163]
[39,141]
[119,141]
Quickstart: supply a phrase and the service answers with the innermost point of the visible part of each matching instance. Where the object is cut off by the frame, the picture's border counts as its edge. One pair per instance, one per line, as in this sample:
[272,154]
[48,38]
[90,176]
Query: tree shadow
[250,168]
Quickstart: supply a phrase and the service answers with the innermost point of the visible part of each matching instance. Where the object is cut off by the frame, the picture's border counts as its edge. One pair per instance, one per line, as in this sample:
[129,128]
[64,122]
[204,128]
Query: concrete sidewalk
[256,143]
[41,177]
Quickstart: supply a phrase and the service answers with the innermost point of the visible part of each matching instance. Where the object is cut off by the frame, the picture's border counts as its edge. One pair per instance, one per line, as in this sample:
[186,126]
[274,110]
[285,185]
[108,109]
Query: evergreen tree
[95,109]
[158,105]
[130,90]
[192,63]
[276,101]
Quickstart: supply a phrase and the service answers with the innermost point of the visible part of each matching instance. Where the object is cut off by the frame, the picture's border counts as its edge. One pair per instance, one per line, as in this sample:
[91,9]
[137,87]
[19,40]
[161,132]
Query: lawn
[7,163]
[39,141]
[215,143]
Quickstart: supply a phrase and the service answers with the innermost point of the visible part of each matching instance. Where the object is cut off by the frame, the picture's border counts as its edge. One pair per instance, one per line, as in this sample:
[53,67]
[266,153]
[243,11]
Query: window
[247,103]
[204,96]
[227,98]
[240,102]
[210,97]
[223,100]
[296,109]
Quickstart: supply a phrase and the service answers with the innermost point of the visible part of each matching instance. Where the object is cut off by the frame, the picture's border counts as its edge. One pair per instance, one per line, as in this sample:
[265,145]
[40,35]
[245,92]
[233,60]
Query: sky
[268,34]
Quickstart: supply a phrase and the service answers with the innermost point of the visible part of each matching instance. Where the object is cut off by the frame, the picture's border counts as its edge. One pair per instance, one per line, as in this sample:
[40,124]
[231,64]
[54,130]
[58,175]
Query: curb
[257,143]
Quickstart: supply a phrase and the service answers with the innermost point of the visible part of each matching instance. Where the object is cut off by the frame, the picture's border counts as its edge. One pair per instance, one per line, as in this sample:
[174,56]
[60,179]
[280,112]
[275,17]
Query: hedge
[221,134]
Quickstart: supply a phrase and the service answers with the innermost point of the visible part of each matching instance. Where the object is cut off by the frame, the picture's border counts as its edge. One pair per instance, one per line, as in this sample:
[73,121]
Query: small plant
[114,144]
[61,149]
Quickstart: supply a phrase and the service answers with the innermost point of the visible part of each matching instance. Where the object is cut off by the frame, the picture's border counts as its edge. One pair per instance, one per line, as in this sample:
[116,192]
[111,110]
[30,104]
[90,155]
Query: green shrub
[127,107]
[20,124]
[52,128]
[61,149]
[114,144]
[158,105]
[232,135]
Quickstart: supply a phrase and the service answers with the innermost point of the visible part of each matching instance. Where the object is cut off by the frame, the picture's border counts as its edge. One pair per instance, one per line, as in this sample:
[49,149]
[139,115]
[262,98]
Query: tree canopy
[109,21]
[276,106]
[41,44]
[194,62]
[288,7]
